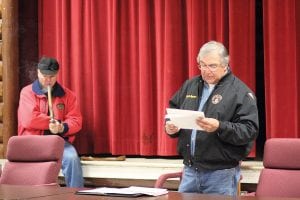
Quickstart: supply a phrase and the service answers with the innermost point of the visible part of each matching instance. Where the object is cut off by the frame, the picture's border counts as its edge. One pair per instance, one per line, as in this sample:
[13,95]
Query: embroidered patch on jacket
[190,96]
[216,99]
[60,106]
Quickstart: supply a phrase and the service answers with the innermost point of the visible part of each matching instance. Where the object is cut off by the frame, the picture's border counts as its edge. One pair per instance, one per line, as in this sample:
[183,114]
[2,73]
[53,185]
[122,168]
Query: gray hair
[213,46]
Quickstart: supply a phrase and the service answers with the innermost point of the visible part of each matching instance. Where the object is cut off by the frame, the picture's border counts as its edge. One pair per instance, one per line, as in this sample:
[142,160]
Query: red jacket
[33,117]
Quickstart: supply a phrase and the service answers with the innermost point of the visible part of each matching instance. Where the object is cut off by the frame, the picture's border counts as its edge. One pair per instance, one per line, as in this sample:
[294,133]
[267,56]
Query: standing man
[34,119]
[230,126]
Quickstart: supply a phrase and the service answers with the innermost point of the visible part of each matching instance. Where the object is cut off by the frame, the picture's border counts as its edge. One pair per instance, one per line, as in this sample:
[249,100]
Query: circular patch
[216,99]
[60,106]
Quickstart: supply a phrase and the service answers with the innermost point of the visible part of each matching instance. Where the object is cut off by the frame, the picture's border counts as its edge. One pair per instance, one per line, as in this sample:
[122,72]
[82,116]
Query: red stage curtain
[282,61]
[125,58]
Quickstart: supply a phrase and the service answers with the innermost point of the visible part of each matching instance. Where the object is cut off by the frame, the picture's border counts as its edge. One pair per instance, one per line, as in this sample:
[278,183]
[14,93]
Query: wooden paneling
[2,149]
[1,70]
[9,49]
[1,133]
[1,50]
[1,88]
[1,112]
[0,29]
[1,91]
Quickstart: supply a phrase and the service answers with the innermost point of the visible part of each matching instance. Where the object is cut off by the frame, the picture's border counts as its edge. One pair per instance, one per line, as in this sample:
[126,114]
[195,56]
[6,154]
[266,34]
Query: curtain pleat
[125,58]
[281,55]
[242,52]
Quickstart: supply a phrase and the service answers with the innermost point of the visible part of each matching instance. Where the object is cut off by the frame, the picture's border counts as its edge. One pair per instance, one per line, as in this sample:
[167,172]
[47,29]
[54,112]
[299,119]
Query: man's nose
[48,82]
[48,79]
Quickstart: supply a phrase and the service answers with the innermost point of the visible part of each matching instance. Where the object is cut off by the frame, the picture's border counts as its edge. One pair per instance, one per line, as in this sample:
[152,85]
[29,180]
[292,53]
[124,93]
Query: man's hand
[56,127]
[208,124]
[171,128]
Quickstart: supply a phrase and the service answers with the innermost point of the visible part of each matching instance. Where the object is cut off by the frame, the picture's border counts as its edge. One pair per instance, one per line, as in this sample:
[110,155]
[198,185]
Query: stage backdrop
[125,58]
[282,62]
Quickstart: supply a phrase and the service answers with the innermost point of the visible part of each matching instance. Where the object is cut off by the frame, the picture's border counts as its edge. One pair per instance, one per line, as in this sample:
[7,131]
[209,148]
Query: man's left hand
[208,124]
[56,127]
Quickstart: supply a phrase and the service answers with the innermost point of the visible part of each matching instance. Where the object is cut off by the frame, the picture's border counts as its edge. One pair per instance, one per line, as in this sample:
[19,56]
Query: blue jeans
[71,167]
[224,182]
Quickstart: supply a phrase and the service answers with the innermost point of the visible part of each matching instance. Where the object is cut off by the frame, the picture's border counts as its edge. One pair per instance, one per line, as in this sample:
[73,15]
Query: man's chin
[210,81]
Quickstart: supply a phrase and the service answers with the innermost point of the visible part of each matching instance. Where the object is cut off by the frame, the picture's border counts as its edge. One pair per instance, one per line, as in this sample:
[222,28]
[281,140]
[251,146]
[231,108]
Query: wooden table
[28,192]
[9,192]
[169,196]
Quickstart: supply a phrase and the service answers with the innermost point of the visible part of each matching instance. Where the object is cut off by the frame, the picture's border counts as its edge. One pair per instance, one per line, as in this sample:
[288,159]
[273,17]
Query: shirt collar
[58,91]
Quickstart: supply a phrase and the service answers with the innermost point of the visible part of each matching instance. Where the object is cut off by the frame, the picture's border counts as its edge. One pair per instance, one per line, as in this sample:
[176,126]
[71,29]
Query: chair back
[162,179]
[33,160]
[281,174]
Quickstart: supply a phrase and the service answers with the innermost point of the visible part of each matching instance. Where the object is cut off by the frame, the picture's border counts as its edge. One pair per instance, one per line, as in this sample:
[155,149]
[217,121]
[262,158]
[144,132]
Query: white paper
[184,119]
[149,191]
[126,191]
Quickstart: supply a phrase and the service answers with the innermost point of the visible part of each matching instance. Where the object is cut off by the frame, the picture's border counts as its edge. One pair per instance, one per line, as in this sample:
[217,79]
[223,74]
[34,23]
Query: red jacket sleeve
[32,111]
[72,115]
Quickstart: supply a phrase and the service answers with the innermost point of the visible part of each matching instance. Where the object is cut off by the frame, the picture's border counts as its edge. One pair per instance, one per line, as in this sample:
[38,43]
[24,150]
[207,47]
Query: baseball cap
[48,66]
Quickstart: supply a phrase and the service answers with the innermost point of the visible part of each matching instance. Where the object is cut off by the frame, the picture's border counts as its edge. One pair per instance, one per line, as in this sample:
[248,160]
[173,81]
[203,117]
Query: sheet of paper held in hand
[184,119]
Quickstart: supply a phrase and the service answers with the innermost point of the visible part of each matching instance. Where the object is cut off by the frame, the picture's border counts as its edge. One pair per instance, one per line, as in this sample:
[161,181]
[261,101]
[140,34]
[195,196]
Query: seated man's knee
[70,157]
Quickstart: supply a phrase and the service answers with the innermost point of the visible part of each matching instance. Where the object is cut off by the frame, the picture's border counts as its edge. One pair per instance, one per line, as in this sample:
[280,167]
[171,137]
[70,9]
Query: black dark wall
[260,85]
[28,41]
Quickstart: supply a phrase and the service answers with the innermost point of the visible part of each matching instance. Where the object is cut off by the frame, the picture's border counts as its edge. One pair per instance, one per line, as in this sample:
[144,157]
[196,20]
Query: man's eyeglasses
[211,67]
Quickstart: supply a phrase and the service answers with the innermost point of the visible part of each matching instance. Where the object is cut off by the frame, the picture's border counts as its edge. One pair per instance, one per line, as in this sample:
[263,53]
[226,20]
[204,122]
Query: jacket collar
[58,91]
[227,76]
[223,80]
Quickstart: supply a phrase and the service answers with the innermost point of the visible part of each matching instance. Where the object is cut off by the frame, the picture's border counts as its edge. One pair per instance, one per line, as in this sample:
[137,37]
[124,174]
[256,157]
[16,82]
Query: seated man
[60,115]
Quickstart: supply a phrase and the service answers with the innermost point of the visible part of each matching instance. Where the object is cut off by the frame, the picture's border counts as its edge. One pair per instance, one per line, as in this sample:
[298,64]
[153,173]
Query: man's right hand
[56,127]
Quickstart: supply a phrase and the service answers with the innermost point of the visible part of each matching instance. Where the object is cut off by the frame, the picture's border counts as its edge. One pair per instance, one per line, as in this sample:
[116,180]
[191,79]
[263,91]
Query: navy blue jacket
[234,105]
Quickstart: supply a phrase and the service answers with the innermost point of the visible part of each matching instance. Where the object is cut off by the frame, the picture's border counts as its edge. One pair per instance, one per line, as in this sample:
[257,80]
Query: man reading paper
[230,126]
